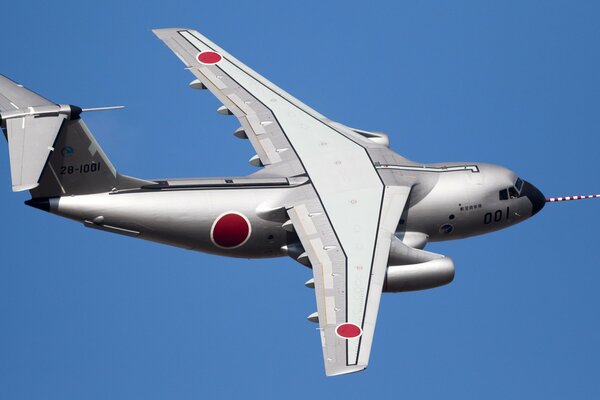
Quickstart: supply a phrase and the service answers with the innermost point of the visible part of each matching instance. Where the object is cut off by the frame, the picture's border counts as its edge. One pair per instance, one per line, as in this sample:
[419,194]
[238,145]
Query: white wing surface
[347,291]
[345,217]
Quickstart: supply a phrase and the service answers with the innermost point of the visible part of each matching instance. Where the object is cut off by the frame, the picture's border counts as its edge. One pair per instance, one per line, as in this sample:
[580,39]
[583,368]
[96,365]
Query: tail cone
[39,203]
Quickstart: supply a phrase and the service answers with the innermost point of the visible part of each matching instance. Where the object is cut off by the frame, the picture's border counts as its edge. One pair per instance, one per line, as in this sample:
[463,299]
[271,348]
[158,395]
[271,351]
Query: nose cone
[537,198]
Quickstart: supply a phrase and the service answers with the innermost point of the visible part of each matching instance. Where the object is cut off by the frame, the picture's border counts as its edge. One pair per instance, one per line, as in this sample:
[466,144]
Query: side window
[504,194]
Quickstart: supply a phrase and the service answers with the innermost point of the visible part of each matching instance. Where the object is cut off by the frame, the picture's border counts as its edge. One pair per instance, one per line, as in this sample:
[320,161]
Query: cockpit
[512,192]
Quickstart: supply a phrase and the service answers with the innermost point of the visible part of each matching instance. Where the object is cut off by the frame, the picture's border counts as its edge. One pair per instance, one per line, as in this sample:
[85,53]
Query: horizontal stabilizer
[30,142]
[31,133]
[31,125]
[14,96]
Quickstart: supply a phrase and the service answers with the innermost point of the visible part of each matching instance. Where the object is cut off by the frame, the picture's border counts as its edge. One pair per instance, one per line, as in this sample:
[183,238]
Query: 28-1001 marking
[80,169]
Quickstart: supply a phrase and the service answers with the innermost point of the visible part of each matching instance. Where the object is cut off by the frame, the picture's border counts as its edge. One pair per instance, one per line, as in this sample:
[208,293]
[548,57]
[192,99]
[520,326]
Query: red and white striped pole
[567,198]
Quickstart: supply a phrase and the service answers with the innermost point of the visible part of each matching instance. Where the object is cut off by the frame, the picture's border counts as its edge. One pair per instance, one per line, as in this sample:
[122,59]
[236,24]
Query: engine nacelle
[427,275]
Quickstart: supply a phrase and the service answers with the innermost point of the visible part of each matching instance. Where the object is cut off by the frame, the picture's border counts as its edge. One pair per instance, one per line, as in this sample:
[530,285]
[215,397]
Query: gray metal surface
[30,141]
[13,96]
[331,197]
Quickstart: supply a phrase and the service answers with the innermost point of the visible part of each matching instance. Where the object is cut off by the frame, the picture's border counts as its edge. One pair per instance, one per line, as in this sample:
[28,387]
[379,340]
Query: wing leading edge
[346,215]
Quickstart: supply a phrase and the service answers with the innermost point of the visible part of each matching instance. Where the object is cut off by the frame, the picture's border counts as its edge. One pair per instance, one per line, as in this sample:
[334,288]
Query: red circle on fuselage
[348,331]
[230,230]
[209,57]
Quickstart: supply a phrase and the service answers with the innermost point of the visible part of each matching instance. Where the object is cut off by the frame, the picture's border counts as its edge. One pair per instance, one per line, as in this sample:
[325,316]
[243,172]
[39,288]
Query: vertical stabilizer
[79,166]
[52,152]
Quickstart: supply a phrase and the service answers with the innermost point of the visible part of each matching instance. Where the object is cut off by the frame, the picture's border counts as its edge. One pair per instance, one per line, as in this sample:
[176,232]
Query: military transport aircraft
[332,197]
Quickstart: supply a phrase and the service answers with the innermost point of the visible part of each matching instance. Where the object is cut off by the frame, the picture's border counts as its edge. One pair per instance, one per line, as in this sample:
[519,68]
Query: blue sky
[87,315]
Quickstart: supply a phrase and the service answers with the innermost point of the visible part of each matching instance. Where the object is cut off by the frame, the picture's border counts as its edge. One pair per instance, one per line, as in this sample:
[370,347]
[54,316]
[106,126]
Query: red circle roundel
[209,57]
[230,230]
[348,331]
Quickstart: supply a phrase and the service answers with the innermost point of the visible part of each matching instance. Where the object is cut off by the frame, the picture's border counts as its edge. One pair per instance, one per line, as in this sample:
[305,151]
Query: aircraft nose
[537,198]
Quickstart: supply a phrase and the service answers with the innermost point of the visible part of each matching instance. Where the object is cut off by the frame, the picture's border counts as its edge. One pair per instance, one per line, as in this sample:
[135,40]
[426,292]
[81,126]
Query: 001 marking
[496,217]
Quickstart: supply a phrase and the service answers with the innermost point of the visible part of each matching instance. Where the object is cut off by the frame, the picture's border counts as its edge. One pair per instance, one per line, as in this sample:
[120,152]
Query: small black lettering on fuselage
[470,208]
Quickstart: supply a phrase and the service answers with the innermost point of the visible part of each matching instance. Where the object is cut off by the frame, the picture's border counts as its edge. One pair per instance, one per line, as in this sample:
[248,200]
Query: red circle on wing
[230,230]
[209,57]
[348,330]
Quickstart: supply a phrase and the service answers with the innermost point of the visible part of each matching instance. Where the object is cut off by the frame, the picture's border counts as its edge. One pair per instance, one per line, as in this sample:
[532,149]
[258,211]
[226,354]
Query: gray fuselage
[448,201]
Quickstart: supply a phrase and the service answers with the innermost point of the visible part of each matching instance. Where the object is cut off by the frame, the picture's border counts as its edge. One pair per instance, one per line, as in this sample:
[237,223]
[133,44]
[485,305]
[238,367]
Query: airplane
[334,198]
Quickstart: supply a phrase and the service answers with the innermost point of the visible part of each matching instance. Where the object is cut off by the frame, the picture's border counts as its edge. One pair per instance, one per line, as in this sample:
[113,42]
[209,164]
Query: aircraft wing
[349,266]
[345,217]
[270,118]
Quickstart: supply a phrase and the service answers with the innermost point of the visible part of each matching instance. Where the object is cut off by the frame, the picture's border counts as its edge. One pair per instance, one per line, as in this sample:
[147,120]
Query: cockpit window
[519,184]
[512,192]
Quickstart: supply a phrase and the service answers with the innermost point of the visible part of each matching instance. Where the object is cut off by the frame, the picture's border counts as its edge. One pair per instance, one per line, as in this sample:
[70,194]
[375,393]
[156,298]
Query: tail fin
[79,166]
[52,153]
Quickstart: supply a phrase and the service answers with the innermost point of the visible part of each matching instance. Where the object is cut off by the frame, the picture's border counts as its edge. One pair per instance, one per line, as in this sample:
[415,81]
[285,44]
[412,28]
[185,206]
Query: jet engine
[412,269]
[411,277]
